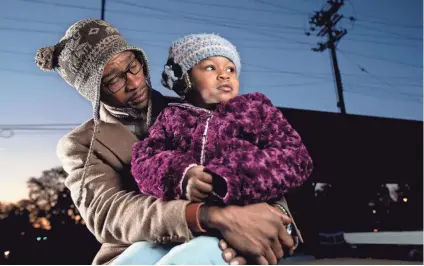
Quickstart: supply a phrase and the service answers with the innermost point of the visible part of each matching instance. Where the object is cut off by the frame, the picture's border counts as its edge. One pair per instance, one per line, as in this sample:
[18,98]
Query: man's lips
[227,87]
[138,96]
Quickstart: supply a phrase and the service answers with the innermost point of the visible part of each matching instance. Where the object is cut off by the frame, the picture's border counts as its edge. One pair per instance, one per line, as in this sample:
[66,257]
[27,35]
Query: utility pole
[103,9]
[325,21]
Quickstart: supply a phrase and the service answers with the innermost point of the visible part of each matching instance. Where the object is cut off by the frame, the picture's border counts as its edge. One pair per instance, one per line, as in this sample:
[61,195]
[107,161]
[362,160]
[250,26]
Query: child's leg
[142,253]
[202,250]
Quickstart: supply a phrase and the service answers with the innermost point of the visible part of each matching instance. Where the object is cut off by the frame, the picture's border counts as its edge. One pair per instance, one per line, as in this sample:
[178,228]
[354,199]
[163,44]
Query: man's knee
[141,253]
[200,250]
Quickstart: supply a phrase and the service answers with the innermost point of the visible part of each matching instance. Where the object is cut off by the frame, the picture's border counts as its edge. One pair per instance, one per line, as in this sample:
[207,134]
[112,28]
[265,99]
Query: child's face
[214,80]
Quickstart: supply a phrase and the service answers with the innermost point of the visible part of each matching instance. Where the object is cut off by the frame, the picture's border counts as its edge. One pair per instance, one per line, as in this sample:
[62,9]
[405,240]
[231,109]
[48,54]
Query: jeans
[201,250]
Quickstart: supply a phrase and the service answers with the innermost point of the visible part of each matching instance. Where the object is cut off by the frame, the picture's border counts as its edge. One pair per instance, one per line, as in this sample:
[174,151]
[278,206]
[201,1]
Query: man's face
[123,82]
[214,81]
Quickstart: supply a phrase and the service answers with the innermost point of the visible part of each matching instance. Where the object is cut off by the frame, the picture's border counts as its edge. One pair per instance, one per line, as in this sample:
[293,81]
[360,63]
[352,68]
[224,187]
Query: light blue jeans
[203,250]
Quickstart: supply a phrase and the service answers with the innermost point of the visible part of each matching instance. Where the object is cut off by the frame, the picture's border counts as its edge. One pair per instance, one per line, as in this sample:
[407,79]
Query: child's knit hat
[188,51]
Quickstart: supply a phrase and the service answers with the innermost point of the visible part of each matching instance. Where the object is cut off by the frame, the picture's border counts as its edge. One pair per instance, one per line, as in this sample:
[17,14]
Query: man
[98,62]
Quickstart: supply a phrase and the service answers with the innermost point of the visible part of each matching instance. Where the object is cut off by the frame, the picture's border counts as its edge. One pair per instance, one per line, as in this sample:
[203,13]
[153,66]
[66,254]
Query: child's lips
[227,87]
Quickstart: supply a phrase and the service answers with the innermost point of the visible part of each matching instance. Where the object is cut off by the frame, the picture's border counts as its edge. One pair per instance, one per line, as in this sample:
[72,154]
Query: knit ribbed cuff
[184,176]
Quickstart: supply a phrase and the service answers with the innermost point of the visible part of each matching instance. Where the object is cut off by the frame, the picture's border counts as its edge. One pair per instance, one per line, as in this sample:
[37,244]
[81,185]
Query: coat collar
[115,136]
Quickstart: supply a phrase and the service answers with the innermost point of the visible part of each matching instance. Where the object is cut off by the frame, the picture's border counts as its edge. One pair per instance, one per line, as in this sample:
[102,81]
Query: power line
[16,52]
[270,70]
[55,23]
[385,77]
[378,97]
[121,29]
[196,17]
[389,33]
[365,83]
[61,5]
[200,19]
[291,85]
[70,6]
[9,130]
[273,70]
[237,7]
[383,43]
[413,96]
[269,47]
[298,11]
[41,125]
[30,30]
[20,72]
[380,37]
[35,21]
[36,129]
[385,23]
[379,58]
[375,77]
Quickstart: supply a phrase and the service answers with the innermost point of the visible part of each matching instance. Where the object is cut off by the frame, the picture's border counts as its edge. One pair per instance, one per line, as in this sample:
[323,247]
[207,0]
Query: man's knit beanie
[81,55]
[188,51]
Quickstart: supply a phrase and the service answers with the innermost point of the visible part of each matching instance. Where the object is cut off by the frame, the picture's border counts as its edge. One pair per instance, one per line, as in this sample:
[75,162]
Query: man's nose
[133,82]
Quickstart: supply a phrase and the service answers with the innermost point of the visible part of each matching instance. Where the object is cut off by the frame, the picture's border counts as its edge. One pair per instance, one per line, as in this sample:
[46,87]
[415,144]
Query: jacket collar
[190,106]
[115,136]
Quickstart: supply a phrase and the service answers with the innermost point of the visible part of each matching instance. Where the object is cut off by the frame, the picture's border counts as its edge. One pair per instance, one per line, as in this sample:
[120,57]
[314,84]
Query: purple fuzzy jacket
[246,141]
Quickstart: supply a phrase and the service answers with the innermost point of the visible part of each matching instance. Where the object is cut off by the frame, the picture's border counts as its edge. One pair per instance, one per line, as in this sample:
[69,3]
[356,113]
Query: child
[217,146]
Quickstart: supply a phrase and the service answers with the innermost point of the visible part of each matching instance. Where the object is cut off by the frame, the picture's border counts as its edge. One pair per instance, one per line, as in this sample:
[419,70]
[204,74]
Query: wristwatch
[289,227]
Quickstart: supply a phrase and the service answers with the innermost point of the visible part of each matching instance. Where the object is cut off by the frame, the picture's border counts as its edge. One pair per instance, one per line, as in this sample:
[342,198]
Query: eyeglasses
[119,81]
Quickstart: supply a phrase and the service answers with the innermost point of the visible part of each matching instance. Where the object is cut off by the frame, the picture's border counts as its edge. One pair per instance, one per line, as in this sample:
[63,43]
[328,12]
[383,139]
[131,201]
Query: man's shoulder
[161,102]
[82,134]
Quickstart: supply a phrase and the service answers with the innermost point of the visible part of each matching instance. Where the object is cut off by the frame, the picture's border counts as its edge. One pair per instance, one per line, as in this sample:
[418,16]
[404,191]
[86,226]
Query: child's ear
[186,83]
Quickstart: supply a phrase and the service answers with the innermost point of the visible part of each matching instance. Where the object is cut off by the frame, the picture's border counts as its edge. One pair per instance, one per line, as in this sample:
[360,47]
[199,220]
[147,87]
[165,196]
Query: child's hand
[199,184]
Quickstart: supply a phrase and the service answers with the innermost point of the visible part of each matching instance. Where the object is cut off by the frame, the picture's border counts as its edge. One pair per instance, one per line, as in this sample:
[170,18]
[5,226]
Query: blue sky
[385,41]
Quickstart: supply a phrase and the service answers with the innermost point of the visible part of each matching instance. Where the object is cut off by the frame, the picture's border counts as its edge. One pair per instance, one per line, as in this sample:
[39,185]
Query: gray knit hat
[188,51]
[81,55]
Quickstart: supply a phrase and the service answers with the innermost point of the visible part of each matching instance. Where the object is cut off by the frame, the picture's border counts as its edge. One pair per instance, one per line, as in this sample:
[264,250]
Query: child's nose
[224,75]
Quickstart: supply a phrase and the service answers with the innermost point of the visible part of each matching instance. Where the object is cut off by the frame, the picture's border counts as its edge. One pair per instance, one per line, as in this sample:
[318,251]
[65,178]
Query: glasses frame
[124,75]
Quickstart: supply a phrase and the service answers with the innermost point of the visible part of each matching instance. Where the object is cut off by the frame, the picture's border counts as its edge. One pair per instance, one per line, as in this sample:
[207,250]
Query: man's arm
[113,214]
[282,205]
[256,231]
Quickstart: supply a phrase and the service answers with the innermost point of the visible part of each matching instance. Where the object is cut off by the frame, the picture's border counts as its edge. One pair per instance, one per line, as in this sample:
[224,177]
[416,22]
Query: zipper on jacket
[205,140]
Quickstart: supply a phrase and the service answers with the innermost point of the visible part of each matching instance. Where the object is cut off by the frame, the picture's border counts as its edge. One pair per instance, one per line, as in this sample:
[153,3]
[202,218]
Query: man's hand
[256,231]
[198,184]
[230,255]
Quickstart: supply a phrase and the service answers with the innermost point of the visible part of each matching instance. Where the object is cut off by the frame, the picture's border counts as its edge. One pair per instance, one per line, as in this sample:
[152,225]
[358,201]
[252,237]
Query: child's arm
[156,166]
[267,169]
